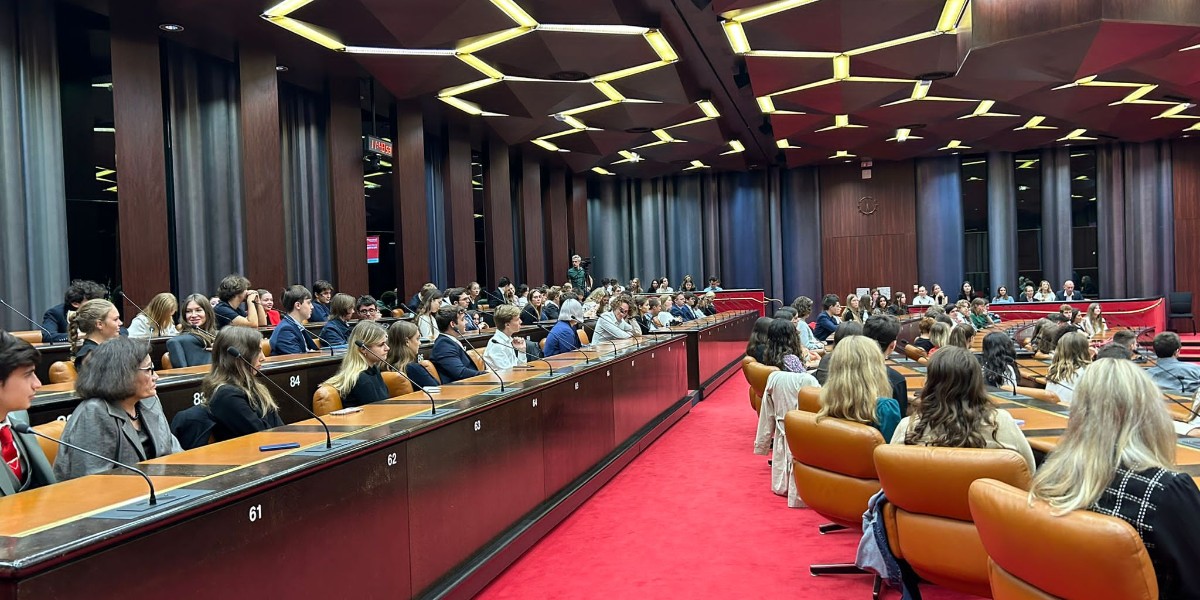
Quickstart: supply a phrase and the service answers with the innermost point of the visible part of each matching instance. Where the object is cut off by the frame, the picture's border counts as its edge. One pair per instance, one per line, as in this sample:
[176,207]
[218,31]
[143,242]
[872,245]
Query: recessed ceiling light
[281,68]
[171,27]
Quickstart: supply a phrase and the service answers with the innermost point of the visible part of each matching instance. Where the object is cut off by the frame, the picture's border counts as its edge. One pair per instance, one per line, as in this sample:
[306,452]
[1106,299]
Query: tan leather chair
[326,400]
[809,399]
[476,358]
[397,312]
[266,347]
[757,374]
[396,385]
[929,522]
[583,336]
[1036,555]
[834,467]
[755,399]
[166,361]
[542,343]
[52,429]
[62,371]
[33,337]
[432,370]
[914,352]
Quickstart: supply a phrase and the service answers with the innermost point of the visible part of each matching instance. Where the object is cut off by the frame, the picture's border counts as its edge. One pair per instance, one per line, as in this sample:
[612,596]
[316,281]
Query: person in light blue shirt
[803,307]
[1002,296]
[1170,374]
[714,284]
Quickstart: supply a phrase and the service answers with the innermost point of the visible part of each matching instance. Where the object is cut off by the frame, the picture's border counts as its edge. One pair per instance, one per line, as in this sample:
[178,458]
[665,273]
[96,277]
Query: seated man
[289,336]
[232,293]
[714,284]
[550,309]
[336,331]
[366,309]
[448,355]
[26,464]
[54,320]
[1128,340]
[680,308]
[1068,293]
[1172,375]
[827,322]
[461,297]
[322,295]
[922,298]
[504,351]
[614,323]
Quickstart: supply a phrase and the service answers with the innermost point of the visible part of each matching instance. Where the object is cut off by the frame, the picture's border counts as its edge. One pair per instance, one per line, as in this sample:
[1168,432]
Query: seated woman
[591,305]
[505,351]
[955,411]
[1043,338]
[854,309]
[959,312]
[688,284]
[1094,324]
[665,319]
[924,327]
[95,323]
[705,304]
[521,296]
[803,306]
[939,297]
[191,347]
[899,305]
[404,343]
[562,337]
[783,349]
[1117,458]
[758,338]
[961,336]
[1045,293]
[532,311]
[857,388]
[121,417]
[336,331]
[268,303]
[158,320]
[431,302]
[358,379]
[1071,358]
[939,336]
[239,404]
[881,306]
[1002,296]
[966,292]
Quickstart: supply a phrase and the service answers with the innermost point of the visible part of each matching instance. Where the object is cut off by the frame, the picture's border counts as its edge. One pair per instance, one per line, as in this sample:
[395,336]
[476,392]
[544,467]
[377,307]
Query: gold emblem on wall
[867,205]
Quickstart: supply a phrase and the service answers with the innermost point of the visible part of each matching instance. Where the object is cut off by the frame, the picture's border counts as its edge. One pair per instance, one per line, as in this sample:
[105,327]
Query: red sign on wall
[372,249]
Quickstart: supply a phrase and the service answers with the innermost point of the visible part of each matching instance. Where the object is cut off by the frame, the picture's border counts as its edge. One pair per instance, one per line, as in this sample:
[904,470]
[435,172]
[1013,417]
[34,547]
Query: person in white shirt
[922,298]
[158,320]
[614,324]
[664,316]
[505,351]
[664,286]
[431,301]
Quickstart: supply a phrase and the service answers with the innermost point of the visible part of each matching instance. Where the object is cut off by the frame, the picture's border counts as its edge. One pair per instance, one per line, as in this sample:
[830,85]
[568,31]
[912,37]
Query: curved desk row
[403,506]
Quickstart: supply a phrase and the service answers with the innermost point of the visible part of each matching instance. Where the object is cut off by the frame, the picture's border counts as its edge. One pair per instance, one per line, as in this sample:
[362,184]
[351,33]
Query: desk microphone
[485,365]
[311,336]
[130,300]
[415,385]
[526,354]
[49,337]
[25,428]
[328,438]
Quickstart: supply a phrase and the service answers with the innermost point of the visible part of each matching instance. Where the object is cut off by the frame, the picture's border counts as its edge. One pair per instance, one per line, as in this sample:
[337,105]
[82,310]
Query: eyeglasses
[147,370]
[367,311]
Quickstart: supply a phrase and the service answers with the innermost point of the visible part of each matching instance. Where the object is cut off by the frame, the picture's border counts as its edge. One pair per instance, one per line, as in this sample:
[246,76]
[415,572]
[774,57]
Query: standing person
[578,275]
[404,343]
[233,291]
[95,323]
[358,379]
[158,319]
[55,319]
[322,295]
[857,387]
[504,350]
[239,404]
[614,324]
[27,465]
[336,331]
[288,337]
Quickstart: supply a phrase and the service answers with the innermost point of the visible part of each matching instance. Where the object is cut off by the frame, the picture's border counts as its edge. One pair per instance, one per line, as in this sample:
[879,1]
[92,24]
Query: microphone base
[496,391]
[320,449]
[142,508]
[425,416]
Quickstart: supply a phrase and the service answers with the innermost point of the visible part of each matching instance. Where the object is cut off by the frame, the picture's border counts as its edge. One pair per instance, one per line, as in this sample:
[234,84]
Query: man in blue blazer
[448,354]
[827,323]
[26,466]
[288,337]
[681,309]
[54,322]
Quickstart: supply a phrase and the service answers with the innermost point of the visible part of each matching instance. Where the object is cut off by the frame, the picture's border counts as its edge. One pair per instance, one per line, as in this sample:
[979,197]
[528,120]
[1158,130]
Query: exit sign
[377,145]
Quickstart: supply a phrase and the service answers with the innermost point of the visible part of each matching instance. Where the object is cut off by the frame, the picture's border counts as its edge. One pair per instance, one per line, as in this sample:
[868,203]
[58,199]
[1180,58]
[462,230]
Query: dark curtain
[303,124]
[1002,222]
[33,214]
[800,226]
[1135,231]
[206,183]
[940,242]
[1056,215]
[435,198]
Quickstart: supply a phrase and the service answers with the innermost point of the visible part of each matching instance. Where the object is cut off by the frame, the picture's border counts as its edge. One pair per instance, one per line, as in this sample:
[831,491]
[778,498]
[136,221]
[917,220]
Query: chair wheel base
[830,527]
[838,569]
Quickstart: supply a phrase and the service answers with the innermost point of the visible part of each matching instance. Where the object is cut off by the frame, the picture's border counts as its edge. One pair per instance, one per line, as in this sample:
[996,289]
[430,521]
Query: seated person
[322,295]
[955,411]
[648,320]
[95,323]
[55,320]
[505,351]
[233,291]
[431,302]
[358,380]
[803,306]
[1093,323]
[366,308]
[550,308]
[1002,296]
[461,297]
[828,321]
[1128,339]
[336,331]
[783,349]
[924,327]
[190,348]
[404,343]
[1117,458]
[28,467]
[290,337]
[961,336]
[448,355]
[980,317]
[1170,374]
[665,318]
[121,417]
[939,336]
[757,344]
[844,331]
[922,298]
[884,329]
[857,389]
[593,302]
[1071,358]
[268,303]
[474,289]
[239,404]
[158,320]
[563,337]
[1068,293]
[614,324]
[680,309]
[1027,295]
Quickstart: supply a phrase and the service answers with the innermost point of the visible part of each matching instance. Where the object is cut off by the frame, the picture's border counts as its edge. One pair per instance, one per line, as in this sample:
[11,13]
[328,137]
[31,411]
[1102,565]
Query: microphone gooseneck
[485,365]
[416,386]
[25,428]
[328,438]
[49,335]
[130,300]
[550,366]
[586,360]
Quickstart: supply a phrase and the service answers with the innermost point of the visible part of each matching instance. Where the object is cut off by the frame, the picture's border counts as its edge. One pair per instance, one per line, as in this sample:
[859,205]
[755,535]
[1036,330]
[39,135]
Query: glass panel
[975,223]
[1028,179]
[378,186]
[1084,214]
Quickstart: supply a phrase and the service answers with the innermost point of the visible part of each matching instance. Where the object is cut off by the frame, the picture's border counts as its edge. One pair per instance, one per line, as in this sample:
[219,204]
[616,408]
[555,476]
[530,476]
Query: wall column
[348,211]
[1002,222]
[939,225]
[411,215]
[1056,216]
[262,167]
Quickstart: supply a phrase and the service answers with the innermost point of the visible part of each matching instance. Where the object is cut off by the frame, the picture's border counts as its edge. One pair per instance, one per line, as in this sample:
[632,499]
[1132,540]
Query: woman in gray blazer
[122,417]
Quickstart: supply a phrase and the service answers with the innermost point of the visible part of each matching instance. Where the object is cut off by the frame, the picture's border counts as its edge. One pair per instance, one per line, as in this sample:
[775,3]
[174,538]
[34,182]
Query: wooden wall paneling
[579,239]
[1185,169]
[555,198]
[348,211]
[141,153]
[875,249]
[460,207]
[498,210]
[262,167]
[410,213]
[533,242]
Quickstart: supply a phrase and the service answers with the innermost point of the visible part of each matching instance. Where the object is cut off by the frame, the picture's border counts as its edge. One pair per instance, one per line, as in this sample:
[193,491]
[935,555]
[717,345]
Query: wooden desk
[714,344]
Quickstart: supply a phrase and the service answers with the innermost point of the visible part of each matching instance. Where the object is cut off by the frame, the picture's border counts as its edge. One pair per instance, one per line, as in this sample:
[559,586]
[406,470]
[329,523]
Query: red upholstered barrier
[743,300]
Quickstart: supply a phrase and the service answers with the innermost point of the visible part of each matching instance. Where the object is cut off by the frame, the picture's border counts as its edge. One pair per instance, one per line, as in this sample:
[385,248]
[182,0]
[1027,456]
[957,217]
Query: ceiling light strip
[284,8]
[661,46]
[737,37]
[764,10]
[515,12]
[493,39]
[399,51]
[308,32]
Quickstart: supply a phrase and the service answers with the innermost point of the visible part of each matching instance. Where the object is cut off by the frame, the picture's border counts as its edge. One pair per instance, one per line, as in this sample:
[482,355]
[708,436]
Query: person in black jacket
[336,330]
[884,329]
[359,380]
[55,320]
[239,404]
[404,343]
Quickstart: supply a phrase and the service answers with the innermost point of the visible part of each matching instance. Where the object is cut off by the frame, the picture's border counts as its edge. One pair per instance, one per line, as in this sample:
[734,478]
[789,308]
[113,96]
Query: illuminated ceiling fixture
[631,71]
[784,144]
[921,89]
[800,88]
[111,189]
[103,172]
[627,156]
[583,109]
[284,8]
[458,90]
[708,108]
[608,90]
[602,171]
[1196,47]
[487,41]
[686,123]
[561,133]
[920,93]
[841,122]
[664,136]
[378,173]
[171,27]
[908,39]
[1028,164]
[791,54]
[597,29]
[1092,81]
[1081,178]
[547,145]
[468,107]
[573,122]
[764,10]
[696,164]
[104,129]
[984,109]
[661,46]
[1170,113]
[1135,97]
[842,154]
[952,13]
[766,105]
[1034,122]
[903,135]
[478,64]
[1076,135]
[735,147]
[968,163]
[974,178]
[107,85]
[736,36]
[516,13]
[307,31]
[841,67]
[955,145]
[1195,127]
[398,51]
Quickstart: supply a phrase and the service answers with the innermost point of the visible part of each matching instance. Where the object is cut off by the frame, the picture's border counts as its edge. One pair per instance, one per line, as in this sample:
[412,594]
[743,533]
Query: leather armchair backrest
[396,385]
[1040,394]
[62,371]
[1036,554]
[477,359]
[809,399]
[326,400]
[833,464]
[33,337]
[52,429]
[428,364]
[583,336]
[757,374]
[266,347]
[914,352]
[166,361]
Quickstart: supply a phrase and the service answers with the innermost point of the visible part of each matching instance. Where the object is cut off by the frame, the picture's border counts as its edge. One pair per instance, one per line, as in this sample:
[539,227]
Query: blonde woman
[431,301]
[858,389]
[404,344]
[960,312]
[157,320]
[595,300]
[1117,458]
[939,336]
[1071,358]
[358,380]
[1094,324]
[854,309]
[96,322]
[239,404]
[1045,293]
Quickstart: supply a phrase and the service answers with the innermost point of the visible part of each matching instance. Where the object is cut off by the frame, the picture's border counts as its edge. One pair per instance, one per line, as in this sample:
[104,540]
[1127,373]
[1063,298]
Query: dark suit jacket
[1076,296]
[531,315]
[288,339]
[33,461]
[550,311]
[336,332]
[55,321]
[188,350]
[193,426]
[451,360]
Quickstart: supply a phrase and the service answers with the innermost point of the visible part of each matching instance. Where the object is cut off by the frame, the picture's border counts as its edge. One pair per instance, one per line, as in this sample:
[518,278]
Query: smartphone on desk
[283,446]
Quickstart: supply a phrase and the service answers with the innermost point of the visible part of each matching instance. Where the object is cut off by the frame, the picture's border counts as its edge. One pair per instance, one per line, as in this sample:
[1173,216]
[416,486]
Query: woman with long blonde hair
[1045,293]
[1117,458]
[854,309]
[96,322]
[239,404]
[1071,358]
[358,380]
[939,336]
[158,319]
[857,388]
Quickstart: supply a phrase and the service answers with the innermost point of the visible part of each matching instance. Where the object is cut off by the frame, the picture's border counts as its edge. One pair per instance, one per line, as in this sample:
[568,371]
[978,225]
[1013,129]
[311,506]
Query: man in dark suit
[1068,293]
[289,336]
[55,318]
[448,355]
[681,308]
[26,466]
[884,329]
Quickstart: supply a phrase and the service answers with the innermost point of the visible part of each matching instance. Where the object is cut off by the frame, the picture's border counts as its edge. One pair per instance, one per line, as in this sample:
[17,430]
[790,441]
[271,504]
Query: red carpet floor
[693,517]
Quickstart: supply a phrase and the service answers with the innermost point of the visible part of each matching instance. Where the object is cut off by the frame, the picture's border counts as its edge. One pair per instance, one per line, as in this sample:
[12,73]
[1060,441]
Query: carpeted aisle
[693,517]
